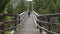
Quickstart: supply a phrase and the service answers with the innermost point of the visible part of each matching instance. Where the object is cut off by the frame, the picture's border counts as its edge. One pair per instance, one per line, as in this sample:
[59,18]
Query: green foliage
[9,7]
[7,18]
[37,4]
[42,11]
[5,11]
[3,4]
[7,32]
[57,30]
[2,7]
[47,5]
[8,25]
[20,7]
[58,6]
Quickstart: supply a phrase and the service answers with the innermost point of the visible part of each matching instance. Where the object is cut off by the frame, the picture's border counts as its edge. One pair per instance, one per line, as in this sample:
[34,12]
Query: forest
[39,6]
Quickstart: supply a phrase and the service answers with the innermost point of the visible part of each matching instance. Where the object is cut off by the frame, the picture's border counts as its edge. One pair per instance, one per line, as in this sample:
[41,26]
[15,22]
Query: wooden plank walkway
[29,27]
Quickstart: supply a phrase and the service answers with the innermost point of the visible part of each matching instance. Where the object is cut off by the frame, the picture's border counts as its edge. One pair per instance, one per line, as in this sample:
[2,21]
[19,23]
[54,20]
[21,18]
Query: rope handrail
[9,21]
[11,28]
[9,14]
[22,17]
[54,14]
[42,28]
[44,22]
[46,29]
[22,13]
[16,24]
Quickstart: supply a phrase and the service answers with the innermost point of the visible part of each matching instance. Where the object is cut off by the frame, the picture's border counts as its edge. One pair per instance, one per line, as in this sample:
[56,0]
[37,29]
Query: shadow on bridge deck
[29,26]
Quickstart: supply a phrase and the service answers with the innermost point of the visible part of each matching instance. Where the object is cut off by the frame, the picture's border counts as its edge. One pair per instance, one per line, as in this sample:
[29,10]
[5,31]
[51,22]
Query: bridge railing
[40,23]
[50,15]
[23,16]
[15,21]
[3,23]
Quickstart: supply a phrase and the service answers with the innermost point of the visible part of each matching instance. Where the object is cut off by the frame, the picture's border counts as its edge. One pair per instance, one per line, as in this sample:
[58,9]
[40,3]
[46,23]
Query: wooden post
[2,28]
[19,19]
[3,23]
[15,24]
[49,25]
[18,23]
[39,24]
[40,29]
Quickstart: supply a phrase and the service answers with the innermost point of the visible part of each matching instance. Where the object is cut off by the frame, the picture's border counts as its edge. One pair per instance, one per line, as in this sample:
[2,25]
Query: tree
[37,4]
[3,4]
[58,8]
[52,7]
[48,5]
[2,7]
[20,7]
[9,7]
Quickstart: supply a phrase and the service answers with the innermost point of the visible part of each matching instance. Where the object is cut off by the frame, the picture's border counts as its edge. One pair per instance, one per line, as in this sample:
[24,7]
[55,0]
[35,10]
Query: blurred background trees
[48,6]
[3,4]
[20,7]
[40,6]
[2,7]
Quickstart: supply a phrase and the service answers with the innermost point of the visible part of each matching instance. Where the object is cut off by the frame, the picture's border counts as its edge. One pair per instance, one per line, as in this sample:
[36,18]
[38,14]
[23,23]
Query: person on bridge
[30,10]
[29,13]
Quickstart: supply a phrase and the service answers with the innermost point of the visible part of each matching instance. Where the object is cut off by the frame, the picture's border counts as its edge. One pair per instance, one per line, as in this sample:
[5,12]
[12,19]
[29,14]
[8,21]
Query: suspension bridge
[23,24]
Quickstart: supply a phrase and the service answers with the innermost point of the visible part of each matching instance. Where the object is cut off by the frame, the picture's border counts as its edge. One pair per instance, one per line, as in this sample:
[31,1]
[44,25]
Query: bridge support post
[2,23]
[18,23]
[2,28]
[15,24]
[40,29]
[19,19]
[49,25]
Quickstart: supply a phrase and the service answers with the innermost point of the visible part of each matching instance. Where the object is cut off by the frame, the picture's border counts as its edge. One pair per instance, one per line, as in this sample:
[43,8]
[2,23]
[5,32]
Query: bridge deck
[29,27]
